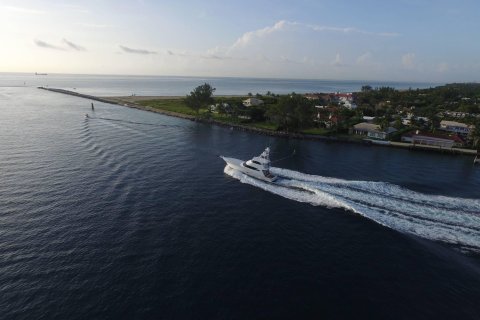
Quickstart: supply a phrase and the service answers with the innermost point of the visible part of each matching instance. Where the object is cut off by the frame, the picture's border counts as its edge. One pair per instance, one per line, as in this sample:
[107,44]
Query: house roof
[367,126]
[373,127]
[454,124]
[454,137]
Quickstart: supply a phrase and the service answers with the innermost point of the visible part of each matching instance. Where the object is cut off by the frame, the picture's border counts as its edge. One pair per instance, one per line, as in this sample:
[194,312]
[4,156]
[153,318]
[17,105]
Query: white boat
[257,167]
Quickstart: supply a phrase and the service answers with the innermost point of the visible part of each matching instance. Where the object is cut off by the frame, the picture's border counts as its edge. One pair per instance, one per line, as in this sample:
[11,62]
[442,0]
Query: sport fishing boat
[257,167]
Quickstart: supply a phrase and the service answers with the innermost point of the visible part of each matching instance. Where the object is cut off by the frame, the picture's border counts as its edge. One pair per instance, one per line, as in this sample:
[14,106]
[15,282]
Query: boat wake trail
[455,221]
[133,122]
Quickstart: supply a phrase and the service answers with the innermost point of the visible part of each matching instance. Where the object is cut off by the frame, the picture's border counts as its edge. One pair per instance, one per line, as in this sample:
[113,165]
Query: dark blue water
[103,85]
[137,219]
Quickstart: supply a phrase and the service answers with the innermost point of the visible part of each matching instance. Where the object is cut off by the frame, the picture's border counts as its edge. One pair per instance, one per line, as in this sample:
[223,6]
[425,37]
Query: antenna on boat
[289,156]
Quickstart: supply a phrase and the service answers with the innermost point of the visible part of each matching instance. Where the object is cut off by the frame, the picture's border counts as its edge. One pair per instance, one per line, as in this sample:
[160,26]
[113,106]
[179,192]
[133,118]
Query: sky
[402,40]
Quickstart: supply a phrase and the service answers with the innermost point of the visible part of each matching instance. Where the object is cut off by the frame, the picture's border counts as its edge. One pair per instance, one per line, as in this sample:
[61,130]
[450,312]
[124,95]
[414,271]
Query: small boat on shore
[257,167]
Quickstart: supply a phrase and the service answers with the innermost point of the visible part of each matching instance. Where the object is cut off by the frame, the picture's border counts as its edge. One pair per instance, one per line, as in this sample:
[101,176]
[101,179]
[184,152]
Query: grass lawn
[317,131]
[263,125]
[174,105]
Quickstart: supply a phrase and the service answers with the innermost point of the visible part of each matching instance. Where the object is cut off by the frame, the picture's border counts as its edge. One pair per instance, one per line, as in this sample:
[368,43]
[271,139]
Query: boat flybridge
[257,167]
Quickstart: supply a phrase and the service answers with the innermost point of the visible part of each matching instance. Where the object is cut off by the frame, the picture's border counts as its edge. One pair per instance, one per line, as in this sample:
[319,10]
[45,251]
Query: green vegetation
[317,131]
[200,97]
[292,113]
[264,125]
[173,105]
[386,101]
[424,109]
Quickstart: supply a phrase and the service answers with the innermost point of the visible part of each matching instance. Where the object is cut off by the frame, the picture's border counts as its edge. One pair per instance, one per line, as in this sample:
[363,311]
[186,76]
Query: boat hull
[238,165]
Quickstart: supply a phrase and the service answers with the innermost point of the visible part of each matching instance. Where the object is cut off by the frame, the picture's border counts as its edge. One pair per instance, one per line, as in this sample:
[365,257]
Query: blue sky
[403,40]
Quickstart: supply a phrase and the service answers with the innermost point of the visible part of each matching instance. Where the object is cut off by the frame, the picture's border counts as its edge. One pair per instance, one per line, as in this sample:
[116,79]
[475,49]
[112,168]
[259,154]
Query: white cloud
[350,30]
[408,60]
[364,58]
[136,51]
[247,37]
[95,25]
[283,25]
[74,7]
[74,46]
[24,10]
[443,67]
[338,61]
[46,45]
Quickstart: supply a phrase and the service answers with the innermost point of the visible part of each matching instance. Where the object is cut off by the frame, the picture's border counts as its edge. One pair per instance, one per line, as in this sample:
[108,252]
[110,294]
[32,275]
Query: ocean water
[179,86]
[131,214]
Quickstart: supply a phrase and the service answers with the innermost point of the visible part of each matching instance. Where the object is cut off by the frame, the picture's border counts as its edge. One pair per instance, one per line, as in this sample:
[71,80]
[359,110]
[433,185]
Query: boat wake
[455,221]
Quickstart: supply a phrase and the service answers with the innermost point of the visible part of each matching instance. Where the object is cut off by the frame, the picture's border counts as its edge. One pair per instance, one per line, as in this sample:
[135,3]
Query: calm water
[178,86]
[130,214]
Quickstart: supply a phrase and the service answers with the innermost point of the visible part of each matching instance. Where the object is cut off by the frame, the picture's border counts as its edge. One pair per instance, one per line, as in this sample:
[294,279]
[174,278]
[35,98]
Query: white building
[252,102]
[216,107]
[347,102]
[431,139]
[368,119]
[457,127]
[372,130]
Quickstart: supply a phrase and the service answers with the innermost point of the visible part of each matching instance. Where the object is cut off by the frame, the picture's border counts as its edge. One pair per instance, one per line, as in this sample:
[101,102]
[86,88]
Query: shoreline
[129,101]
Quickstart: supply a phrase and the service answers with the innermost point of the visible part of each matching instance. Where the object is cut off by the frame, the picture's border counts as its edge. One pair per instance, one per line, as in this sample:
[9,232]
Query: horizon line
[235,77]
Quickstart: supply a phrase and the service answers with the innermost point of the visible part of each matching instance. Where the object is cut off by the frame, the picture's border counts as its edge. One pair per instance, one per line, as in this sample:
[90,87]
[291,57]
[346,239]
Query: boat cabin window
[254,161]
[250,167]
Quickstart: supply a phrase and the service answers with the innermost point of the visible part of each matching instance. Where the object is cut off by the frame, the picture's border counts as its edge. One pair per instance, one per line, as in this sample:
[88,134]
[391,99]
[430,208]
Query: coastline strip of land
[133,102]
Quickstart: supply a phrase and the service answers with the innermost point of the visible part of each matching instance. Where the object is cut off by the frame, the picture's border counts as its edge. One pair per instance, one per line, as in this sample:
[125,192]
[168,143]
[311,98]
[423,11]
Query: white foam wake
[447,219]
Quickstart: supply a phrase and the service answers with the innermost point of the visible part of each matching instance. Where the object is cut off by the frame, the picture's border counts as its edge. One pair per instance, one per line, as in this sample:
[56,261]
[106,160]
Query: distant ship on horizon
[41,74]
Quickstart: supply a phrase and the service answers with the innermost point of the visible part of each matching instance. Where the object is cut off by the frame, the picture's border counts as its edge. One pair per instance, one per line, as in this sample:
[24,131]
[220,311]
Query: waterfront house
[252,102]
[456,127]
[433,139]
[328,116]
[372,130]
[456,114]
[347,102]
[312,96]
[219,107]
[407,120]
[345,99]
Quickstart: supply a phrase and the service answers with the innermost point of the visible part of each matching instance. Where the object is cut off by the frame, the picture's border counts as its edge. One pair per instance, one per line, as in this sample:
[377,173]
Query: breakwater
[81,95]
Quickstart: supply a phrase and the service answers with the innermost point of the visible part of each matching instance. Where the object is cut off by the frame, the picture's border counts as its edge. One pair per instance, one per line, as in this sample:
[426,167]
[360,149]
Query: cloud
[247,37]
[338,61]
[74,46]
[350,30]
[443,67]
[215,57]
[210,55]
[283,25]
[24,10]
[43,44]
[95,25]
[178,54]
[408,60]
[75,8]
[136,51]
[364,58]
